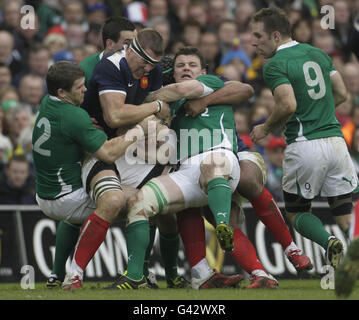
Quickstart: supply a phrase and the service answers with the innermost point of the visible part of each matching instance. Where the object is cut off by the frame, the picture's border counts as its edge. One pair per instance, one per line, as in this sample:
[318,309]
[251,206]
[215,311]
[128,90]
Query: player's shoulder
[211,80]
[113,59]
[90,59]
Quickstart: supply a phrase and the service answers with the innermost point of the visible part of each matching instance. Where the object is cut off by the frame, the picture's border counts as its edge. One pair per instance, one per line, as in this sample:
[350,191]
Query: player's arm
[285,106]
[116,147]
[188,89]
[234,92]
[117,113]
[339,89]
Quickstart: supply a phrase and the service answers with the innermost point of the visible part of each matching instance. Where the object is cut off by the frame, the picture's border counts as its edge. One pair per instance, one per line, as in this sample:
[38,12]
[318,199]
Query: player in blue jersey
[119,81]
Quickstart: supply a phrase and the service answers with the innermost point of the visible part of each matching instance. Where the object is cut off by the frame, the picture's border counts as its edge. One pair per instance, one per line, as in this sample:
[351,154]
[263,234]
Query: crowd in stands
[71,30]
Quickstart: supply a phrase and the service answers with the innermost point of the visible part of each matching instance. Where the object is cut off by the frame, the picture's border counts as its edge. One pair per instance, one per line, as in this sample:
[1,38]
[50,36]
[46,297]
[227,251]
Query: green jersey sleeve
[274,75]
[211,81]
[80,128]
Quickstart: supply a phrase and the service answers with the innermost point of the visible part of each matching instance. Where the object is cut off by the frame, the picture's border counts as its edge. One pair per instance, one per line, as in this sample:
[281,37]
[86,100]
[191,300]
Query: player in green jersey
[306,89]
[116,32]
[209,168]
[62,135]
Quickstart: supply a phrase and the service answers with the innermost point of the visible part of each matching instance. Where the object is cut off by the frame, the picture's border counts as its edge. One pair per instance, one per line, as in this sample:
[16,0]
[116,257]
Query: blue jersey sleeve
[107,75]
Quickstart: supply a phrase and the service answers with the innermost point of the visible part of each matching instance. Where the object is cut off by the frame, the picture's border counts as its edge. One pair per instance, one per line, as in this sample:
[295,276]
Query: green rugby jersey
[89,65]
[61,136]
[308,70]
[208,129]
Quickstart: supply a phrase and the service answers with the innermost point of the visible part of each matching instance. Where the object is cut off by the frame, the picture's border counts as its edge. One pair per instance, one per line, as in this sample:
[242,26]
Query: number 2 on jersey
[43,138]
[313,82]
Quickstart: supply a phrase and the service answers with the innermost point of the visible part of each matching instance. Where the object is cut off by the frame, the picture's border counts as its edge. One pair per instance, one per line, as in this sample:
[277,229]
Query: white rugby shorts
[318,167]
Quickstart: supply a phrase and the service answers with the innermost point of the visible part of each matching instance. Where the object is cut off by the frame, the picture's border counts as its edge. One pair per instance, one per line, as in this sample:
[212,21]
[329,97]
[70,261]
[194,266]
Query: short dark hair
[189,51]
[18,158]
[274,19]
[113,27]
[151,39]
[62,75]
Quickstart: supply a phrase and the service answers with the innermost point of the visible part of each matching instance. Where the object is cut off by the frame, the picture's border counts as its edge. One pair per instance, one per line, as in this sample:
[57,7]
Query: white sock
[290,248]
[201,270]
[75,269]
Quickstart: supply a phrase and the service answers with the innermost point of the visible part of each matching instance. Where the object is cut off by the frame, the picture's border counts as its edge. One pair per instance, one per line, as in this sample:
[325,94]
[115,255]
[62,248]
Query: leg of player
[251,187]
[310,226]
[191,227]
[341,207]
[66,238]
[160,195]
[245,254]
[169,247]
[110,199]
[215,171]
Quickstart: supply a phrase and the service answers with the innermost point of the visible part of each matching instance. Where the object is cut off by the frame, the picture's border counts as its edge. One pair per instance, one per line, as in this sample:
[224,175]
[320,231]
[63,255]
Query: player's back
[308,70]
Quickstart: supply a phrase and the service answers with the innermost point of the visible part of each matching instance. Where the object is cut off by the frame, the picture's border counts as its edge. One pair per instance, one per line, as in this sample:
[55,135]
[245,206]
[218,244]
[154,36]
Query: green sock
[137,239]
[310,226]
[153,229]
[219,199]
[66,238]
[169,246]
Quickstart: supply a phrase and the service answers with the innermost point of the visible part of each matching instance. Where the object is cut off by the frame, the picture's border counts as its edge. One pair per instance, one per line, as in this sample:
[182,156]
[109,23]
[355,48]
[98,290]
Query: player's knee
[251,183]
[152,199]
[215,165]
[110,204]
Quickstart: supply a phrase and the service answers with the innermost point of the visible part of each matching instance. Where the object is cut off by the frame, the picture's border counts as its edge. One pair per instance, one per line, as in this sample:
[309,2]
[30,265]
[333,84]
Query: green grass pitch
[296,289]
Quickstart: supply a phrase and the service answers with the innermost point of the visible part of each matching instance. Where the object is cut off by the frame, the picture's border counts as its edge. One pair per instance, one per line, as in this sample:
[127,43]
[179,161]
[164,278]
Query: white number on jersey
[318,80]
[43,138]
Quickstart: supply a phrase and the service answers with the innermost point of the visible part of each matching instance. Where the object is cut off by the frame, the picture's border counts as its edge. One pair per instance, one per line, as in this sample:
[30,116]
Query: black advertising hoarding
[39,234]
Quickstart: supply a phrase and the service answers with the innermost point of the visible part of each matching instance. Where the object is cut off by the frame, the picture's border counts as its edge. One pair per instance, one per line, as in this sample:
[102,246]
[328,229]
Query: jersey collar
[288,45]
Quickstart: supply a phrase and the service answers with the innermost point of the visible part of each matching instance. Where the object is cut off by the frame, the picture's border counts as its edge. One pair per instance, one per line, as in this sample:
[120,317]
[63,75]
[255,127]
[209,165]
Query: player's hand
[95,124]
[165,112]
[195,107]
[259,132]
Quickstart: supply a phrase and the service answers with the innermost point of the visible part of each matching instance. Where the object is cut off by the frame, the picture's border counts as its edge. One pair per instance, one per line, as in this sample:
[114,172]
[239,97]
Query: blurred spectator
[97,13]
[30,35]
[162,26]
[18,119]
[79,53]
[5,144]
[344,110]
[302,31]
[5,75]
[38,64]
[354,150]
[75,34]
[324,42]
[230,72]
[243,11]
[177,15]
[191,33]
[8,94]
[245,41]
[63,55]
[94,37]
[197,11]
[349,128]
[351,78]
[227,34]
[209,46]
[50,14]
[157,8]
[274,156]
[266,99]
[73,12]
[342,27]
[7,55]
[31,91]
[17,184]
[217,12]
[55,42]
[241,118]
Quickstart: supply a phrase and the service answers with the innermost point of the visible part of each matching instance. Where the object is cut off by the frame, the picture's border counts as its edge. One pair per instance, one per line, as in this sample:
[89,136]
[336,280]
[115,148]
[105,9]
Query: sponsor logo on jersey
[144,82]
